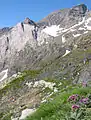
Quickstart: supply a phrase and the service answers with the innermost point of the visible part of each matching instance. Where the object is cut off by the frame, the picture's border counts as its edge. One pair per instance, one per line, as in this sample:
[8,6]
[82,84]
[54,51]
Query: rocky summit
[39,61]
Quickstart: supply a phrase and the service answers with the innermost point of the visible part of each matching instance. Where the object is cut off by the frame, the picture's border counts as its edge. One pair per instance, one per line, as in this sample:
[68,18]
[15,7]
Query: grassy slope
[59,108]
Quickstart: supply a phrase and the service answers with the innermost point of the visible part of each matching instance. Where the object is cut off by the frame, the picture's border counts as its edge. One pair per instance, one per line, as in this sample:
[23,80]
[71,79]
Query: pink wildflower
[75,107]
[84,84]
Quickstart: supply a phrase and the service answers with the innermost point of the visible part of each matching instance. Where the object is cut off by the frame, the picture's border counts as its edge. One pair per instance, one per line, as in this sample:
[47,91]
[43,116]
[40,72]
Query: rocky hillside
[40,60]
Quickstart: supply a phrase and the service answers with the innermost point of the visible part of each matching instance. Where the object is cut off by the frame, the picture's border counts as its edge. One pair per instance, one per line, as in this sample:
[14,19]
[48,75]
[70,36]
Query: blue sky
[14,11]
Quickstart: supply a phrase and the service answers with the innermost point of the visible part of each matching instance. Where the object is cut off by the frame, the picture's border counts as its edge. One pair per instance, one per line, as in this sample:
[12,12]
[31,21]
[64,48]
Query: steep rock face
[14,41]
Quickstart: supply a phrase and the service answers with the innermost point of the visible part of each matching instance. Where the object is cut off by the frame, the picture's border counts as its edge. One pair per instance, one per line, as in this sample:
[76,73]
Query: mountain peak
[78,10]
[80,6]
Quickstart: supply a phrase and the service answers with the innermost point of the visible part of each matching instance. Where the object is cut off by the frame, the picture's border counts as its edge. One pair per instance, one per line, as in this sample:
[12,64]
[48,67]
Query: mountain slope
[40,60]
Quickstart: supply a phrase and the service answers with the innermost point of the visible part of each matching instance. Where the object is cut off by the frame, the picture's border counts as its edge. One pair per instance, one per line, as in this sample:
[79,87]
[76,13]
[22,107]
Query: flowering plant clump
[74,100]
[79,100]
[79,104]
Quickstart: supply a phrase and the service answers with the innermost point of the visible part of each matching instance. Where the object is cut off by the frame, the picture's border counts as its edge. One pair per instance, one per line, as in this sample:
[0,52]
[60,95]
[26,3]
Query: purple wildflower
[84,100]
[73,97]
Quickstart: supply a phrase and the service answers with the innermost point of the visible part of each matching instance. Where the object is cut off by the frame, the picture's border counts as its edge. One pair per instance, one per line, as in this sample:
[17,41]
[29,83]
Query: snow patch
[87,22]
[26,113]
[3,75]
[81,28]
[66,53]
[63,39]
[85,32]
[52,30]
[72,30]
[77,35]
[64,30]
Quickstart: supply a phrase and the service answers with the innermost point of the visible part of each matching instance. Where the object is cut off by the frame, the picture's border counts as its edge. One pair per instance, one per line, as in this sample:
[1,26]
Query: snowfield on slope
[76,35]
[3,75]
[55,30]
[87,22]
[52,30]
